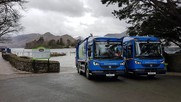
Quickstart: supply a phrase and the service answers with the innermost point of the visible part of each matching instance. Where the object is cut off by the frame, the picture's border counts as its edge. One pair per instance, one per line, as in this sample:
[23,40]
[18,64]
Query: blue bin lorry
[100,56]
[143,55]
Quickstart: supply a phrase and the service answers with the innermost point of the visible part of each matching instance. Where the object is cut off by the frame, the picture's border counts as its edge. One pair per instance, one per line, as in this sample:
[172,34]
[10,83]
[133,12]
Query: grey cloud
[53,16]
[39,22]
[103,25]
[66,7]
[98,9]
[107,25]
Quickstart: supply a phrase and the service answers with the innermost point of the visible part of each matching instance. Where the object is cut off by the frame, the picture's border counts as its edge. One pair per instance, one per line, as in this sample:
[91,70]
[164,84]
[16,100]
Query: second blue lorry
[143,55]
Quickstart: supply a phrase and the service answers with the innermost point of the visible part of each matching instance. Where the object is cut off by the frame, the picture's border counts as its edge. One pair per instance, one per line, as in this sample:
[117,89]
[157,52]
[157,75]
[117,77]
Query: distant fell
[48,36]
[117,35]
[21,40]
[51,41]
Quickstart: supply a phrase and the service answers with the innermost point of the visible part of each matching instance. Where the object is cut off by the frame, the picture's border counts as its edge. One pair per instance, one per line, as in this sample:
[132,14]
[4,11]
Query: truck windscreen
[108,50]
[148,50]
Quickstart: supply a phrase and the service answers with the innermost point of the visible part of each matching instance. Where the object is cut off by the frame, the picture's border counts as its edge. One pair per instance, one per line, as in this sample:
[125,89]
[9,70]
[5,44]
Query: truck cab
[143,55]
[100,56]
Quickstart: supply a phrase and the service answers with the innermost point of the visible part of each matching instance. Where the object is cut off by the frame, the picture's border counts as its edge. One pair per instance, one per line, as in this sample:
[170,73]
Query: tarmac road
[68,86]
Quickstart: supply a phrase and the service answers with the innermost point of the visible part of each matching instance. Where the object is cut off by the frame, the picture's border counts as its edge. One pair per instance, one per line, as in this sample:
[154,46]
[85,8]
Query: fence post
[34,67]
[48,65]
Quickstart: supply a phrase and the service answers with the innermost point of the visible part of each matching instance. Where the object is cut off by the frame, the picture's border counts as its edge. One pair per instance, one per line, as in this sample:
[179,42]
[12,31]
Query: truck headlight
[137,62]
[162,62]
[122,63]
[95,63]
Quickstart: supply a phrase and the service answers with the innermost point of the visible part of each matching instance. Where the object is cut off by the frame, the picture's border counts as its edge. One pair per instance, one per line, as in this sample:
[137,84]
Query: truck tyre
[78,70]
[126,69]
[115,77]
[151,76]
[88,76]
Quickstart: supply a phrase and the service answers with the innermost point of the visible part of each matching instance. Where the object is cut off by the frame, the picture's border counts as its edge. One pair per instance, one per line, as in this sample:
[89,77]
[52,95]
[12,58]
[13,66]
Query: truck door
[129,58]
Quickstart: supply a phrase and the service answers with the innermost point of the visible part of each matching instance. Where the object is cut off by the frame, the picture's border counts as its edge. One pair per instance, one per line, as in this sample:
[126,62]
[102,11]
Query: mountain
[21,40]
[48,36]
[117,35]
[66,37]
[51,41]
[79,38]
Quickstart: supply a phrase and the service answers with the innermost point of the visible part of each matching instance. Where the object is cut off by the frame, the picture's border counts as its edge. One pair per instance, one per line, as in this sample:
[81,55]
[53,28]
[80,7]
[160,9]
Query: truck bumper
[147,71]
[104,73]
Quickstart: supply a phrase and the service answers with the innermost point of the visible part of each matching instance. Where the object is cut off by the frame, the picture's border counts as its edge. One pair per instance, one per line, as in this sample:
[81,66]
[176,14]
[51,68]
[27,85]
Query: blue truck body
[94,57]
[143,55]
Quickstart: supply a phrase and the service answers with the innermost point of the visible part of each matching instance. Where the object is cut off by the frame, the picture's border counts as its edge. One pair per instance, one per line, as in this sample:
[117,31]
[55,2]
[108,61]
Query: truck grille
[150,65]
[109,67]
[150,69]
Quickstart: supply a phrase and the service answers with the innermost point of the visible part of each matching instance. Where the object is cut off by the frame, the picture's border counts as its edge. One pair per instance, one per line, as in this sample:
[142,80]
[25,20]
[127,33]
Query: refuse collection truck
[100,56]
[143,55]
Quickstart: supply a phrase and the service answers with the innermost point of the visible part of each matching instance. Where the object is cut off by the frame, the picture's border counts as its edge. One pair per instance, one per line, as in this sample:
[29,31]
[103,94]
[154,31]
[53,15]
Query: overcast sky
[74,17]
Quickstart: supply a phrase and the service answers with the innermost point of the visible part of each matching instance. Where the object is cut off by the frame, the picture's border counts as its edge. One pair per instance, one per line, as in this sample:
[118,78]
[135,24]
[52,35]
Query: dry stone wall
[29,65]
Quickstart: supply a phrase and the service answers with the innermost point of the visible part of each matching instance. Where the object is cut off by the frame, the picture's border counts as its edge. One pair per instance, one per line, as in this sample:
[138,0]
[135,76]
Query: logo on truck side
[151,65]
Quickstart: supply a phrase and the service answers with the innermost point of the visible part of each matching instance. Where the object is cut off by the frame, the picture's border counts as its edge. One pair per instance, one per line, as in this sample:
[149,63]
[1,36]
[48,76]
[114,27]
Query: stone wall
[174,62]
[27,64]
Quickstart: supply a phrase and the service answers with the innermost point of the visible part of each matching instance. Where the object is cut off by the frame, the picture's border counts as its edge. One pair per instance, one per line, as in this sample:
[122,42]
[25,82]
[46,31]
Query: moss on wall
[27,64]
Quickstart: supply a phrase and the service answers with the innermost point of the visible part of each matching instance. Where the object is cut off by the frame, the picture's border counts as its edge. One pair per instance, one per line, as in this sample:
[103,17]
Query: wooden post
[34,68]
[48,64]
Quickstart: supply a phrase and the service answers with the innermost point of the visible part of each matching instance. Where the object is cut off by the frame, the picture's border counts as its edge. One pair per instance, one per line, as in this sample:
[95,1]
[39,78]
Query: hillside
[21,40]
[118,35]
[51,41]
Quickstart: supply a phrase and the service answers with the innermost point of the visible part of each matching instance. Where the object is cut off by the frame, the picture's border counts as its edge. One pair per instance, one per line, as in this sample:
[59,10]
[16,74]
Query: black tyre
[126,69]
[151,76]
[88,76]
[78,70]
[115,77]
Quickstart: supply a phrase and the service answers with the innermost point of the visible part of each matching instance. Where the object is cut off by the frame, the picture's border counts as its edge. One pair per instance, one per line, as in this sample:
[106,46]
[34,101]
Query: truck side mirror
[129,47]
[107,45]
[124,58]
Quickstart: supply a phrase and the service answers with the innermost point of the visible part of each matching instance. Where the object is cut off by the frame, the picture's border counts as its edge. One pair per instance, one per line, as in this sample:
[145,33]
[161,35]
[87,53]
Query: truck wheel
[126,69]
[115,77]
[88,76]
[151,76]
[78,70]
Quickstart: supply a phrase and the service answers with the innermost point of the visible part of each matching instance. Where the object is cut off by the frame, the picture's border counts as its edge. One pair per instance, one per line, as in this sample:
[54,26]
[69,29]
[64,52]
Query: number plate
[151,73]
[109,75]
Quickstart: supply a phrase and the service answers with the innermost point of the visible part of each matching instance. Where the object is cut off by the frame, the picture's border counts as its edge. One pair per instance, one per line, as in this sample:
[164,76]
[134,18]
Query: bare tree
[9,16]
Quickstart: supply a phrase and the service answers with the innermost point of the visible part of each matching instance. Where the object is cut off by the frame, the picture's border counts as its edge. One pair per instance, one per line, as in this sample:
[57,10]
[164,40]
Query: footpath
[7,71]
[5,67]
